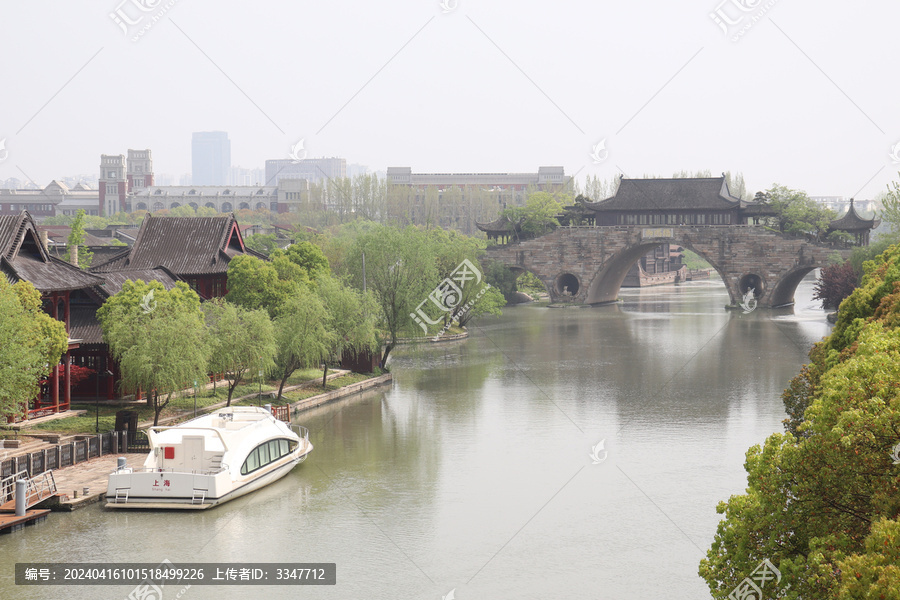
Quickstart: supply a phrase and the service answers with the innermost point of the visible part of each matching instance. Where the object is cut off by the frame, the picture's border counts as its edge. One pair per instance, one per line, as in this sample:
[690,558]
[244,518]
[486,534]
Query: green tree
[822,499]
[350,319]
[255,283]
[486,301]
[796,213]
[262,243]
[158,338]
[538,216]
[31,344]
[400,272]
[309,257]
[76,239]
[301,335]
[241,341]
[500,277]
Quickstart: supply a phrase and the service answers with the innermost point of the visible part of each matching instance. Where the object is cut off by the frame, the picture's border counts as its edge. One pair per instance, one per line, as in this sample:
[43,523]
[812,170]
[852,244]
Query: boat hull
[149,496]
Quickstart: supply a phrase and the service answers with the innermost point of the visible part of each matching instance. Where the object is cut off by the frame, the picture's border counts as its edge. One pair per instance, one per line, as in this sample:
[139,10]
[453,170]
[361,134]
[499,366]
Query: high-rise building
[139,170]
[314,170]
[113,184]
[210,158]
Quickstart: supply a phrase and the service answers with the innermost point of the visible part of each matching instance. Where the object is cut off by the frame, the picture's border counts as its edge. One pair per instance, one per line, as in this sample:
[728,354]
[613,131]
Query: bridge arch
[607,281]
[598,258]
[783,292]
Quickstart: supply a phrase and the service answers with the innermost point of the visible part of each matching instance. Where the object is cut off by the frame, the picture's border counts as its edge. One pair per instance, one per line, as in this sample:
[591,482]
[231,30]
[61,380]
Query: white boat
[209,460]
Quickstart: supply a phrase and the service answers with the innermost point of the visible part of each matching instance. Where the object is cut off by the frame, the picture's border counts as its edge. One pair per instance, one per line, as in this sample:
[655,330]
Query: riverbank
[85,483]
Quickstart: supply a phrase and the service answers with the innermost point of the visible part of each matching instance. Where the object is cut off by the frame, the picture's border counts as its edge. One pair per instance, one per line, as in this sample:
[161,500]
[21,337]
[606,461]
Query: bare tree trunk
[324,374]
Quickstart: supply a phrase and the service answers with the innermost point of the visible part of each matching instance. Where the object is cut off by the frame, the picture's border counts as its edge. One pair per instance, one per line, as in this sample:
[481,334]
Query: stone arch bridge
[590,263]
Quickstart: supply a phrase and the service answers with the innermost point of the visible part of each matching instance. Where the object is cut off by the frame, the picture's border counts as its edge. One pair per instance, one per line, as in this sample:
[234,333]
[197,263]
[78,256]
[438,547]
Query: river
[480,470]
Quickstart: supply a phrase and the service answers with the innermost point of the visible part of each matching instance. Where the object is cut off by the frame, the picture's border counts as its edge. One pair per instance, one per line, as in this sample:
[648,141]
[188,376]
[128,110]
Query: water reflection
[472,470]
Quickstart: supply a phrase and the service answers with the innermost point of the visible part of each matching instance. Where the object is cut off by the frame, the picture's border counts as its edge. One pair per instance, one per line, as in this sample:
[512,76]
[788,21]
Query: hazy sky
[799,93]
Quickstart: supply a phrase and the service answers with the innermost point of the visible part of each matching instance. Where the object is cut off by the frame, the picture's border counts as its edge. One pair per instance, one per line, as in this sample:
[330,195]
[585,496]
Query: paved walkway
[94,475]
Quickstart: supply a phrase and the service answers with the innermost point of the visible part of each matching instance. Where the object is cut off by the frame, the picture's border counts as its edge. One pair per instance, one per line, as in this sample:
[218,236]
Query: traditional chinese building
[194,249]
[23,257]
[855,225]
[677,201]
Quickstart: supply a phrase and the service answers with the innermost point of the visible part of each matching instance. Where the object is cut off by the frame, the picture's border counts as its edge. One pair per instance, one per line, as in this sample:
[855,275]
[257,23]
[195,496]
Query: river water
[474,472]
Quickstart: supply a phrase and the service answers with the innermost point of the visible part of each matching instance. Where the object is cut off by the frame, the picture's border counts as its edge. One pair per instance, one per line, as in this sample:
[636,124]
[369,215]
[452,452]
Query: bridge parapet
[587,264]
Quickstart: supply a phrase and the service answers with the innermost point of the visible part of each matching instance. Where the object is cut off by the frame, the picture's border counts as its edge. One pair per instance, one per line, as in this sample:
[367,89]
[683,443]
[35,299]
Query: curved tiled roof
[853,222]
[695,193]
[183,245]
[23,257]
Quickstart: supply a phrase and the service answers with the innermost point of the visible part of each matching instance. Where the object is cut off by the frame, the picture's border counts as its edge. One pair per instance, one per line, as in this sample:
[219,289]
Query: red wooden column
[67,381]
[54,376]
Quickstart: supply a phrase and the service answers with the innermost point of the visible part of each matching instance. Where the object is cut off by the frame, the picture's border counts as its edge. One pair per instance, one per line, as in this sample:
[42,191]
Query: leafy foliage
[796,212]
[538,216]
[241,341]
[822,500]
[76,239]
[255,283]
[160,350]
[301,335]
[835,283]
[31,343]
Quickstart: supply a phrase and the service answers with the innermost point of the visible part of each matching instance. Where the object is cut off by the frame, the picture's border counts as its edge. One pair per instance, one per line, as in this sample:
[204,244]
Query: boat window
[252,462]
[266,453]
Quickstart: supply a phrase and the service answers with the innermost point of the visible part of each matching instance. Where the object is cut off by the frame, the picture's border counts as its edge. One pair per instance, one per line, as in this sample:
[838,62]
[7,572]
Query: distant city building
[355,170]
[509,186]
[139,171]
[242,176]
[54,199]
[841,204]
[210,158]
[112,184]
[284,197]
[314,170]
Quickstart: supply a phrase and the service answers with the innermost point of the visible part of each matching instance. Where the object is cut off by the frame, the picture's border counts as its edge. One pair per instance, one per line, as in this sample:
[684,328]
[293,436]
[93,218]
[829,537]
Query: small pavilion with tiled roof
[23,257]
[500,229]
[855,225]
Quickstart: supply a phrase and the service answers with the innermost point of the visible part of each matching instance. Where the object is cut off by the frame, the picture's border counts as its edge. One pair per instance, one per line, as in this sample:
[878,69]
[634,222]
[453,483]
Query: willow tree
[350,319]
[241,341]
[31,343]
[301,335]
[158,338]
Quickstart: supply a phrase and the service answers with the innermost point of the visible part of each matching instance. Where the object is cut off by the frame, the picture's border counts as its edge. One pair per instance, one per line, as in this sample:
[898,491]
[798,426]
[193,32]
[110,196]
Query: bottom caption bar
[167,573]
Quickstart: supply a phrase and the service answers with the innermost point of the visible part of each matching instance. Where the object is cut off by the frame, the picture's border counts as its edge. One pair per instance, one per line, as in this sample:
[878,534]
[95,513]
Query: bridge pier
[587,264]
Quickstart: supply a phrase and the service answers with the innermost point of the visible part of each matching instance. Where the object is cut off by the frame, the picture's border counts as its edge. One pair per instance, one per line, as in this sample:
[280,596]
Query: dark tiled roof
[83,325]
[696,193]
[24,258]
[116,279]
[184,245]
[853,222]
[499,225]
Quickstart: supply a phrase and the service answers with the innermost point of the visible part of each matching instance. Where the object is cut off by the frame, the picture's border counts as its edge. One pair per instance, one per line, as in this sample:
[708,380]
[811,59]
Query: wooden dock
[9,522]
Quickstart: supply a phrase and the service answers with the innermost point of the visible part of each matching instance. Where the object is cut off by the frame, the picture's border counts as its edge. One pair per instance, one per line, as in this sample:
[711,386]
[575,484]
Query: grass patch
[184,406]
